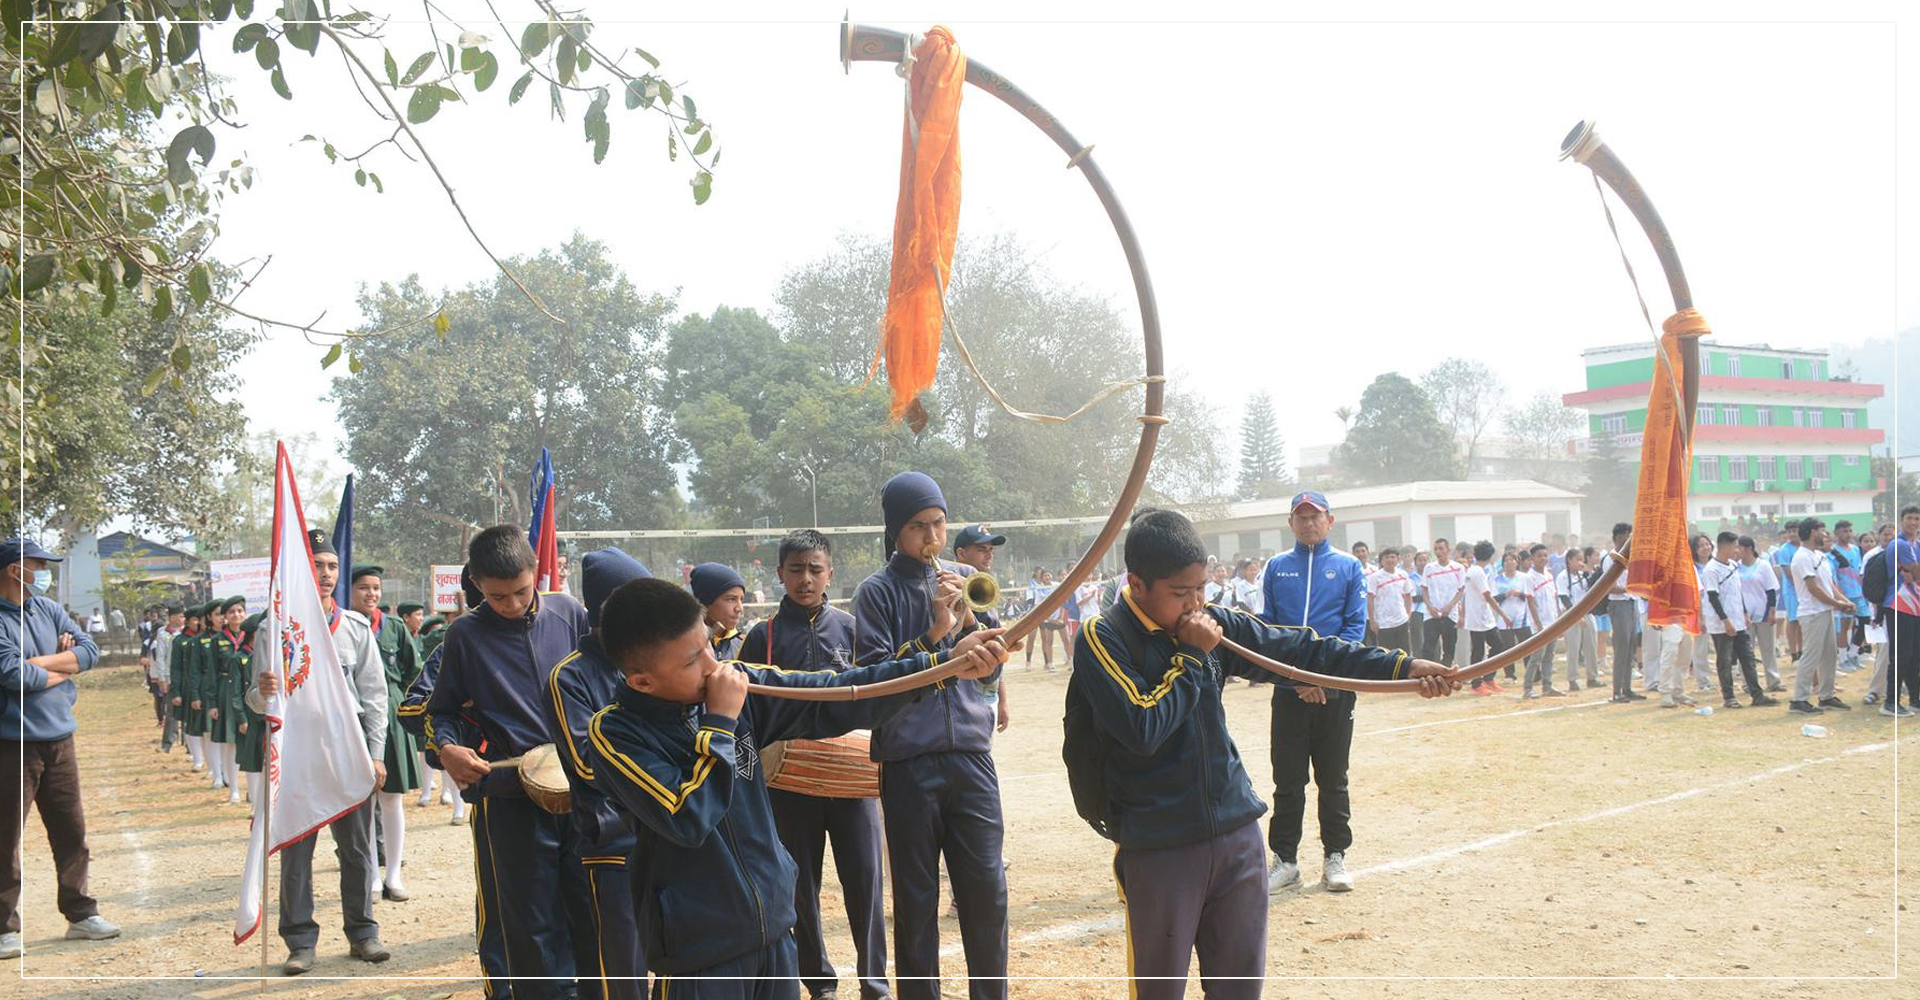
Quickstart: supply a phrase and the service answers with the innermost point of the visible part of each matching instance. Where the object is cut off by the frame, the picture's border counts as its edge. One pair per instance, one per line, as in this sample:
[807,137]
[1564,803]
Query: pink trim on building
[1729,383]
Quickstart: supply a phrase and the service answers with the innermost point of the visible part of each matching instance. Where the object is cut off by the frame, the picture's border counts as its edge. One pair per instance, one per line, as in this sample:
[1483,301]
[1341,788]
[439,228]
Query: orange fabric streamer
[926,221]
[1660,568]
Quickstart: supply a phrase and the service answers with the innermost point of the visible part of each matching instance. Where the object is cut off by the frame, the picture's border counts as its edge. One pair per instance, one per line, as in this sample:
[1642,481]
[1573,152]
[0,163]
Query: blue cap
[606,570]
[977,534]
[710,580]
[1312,498]
[17,548]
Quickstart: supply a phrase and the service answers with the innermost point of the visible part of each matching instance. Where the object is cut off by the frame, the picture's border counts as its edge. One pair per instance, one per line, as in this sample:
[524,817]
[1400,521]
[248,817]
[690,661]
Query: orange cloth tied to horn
[926,221]
[1660,568]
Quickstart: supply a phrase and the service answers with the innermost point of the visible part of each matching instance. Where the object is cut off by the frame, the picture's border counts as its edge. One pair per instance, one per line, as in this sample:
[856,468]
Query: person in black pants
[1623,617]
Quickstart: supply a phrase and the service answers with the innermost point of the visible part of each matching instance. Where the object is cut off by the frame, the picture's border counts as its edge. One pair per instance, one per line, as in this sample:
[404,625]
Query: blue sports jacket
[1173,775]
[578,687]
[494,671]
[45,714]
[711,880]
[798,638]
[891,616]
[1319,587]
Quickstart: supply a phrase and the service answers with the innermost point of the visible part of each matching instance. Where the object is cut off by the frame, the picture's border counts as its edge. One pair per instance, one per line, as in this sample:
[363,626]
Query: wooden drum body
[545,780]
[835,768]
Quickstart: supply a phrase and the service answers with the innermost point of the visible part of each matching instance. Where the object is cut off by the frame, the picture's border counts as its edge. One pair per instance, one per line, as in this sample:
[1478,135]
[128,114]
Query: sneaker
[10,945]
[1495,687]
[447,797]
[1804,708]
[1668,702]
[1619,699]
[1732,703]
[1761,701]
[1483,690]
[1554,693]
[299,961]
[1897,711]
[1636,696]
[1335,876]
[394,892]
[1872,698]
[1282,874]
[369,950]
[94,928]
[1776,689]
[424,801]
[1835,704]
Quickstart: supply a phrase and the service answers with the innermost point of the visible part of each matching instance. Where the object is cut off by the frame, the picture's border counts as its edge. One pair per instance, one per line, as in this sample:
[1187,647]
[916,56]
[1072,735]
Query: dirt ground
[1503,849]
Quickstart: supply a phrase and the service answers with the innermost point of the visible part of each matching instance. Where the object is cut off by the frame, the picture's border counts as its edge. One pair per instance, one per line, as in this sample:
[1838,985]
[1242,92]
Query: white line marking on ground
[1115,921]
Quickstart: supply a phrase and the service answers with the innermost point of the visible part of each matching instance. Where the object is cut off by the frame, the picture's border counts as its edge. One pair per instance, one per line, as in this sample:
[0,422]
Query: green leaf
[563,55]
[333,354]
[305,37]
[705,143]
[636,93]
[702,187]
[673,146]
[666,92]
[181,358]
[441,324]
[424,104]
[131,271]
[360,177]
[393,69]
[378,188]
[644,54]
[192,139]
[489,69]
[420,64]
[109,291]
[519,88]
[333,155]
[162,303]
[200,284]
[533,41]
[244,8]
[183,40]
[559,105]
[353,364]
[267,53]
[248,36]
[279,80]
[470,60]
[687,103]
[153,380]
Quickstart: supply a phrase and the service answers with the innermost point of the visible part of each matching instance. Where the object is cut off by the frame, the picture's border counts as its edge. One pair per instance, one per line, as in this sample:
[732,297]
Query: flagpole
[266,823]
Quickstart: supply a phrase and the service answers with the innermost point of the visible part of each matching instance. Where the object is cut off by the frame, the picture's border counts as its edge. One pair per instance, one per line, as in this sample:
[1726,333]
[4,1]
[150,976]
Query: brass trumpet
[980,592]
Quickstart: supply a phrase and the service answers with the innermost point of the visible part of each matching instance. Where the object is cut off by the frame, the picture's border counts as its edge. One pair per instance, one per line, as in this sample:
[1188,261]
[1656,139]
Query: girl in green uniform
[252,752]
[221,693]
[401,656]
[177,665]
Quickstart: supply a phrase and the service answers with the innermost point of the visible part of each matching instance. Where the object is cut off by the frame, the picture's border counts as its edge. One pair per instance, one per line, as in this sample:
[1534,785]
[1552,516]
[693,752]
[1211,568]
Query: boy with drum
[807,633]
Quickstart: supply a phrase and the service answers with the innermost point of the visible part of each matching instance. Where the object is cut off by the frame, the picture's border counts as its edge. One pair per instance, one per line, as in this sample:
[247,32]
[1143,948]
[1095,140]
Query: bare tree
[1540,431]
[1464,394]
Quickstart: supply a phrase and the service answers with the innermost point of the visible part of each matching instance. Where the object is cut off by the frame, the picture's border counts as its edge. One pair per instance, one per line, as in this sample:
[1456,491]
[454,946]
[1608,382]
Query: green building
[1776,435]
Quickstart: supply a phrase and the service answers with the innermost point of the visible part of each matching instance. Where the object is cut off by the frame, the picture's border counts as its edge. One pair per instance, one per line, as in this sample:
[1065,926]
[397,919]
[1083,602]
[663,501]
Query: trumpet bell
[982,592]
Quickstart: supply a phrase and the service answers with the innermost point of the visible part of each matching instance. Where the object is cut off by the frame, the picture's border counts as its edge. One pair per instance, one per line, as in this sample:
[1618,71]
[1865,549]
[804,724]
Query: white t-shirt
[1811,563]
[1755,581]
[1389,592]
[1247,593]
[1089,597]
[1480,616]
[1725,579]
[1516,593]
[1545,608]
[1442,583]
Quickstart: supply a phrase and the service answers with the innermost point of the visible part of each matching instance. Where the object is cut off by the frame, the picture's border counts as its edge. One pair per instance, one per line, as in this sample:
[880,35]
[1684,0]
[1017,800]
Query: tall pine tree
[1263,461]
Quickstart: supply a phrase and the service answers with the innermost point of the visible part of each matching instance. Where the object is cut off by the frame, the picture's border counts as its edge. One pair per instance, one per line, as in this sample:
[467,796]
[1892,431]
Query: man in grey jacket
[360,658]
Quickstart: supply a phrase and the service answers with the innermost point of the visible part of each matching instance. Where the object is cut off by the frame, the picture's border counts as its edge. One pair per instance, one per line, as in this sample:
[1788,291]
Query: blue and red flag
[343,546]
[541,534]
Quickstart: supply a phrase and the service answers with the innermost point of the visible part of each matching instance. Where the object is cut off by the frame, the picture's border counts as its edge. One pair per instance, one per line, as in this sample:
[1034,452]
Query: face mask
[42,581]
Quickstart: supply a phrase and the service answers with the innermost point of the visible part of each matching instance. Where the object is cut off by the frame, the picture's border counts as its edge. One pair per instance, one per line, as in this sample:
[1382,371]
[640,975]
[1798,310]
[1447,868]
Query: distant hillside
[1874,361]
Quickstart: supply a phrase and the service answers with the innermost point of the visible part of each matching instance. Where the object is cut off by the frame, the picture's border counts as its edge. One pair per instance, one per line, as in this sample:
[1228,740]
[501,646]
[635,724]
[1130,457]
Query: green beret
[409,607]
[231,601]
[198,611]
[366,569]
[253,622]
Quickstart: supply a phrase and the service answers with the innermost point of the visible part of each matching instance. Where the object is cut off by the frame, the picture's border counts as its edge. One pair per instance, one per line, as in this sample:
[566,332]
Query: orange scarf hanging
[926,221]
[1660,568]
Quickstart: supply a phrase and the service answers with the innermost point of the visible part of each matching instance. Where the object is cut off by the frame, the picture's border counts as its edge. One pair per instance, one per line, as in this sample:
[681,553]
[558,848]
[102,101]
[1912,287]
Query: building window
[1851,461]
[1714,511]
[1763,416]
[1823,508]
[1703,414]
[1742,509]
[1616,424]
[1770,509]
[1729,414]
[1822,467]
[1710,469]
[1795,470]
[1737,469]
[1766,468]
[1733,365]
[1796,508]
[1786,368]
[1816,417]
[1847,418]
[1799,416]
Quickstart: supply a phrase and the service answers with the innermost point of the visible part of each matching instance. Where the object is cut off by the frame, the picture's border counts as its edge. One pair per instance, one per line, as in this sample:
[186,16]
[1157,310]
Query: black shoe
[1761,701]
[1732,703]
[1554,693]
[1776,688]
[1805,708]
[1835,704]
[370,950]
[1618,699]
[299,961]
[1636,696]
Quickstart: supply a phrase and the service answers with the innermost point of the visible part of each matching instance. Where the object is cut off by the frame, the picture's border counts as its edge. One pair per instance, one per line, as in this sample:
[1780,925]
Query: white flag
[317,767]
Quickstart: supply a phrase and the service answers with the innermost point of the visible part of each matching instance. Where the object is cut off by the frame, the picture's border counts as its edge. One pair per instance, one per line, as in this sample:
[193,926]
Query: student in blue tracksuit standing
[1324,589]
[939,792]
[807,633]
[722,592]
[679,754]
[578,687]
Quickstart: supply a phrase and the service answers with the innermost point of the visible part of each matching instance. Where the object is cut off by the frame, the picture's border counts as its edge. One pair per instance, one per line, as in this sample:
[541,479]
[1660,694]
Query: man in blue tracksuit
[1324,589]
[807,633]
[493,667]
[578,687]
[679,754]
[939,793]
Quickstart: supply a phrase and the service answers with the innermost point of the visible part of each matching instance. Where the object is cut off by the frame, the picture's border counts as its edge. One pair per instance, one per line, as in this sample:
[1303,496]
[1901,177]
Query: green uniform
[430,638]
[221,686]
[400,654]
[195,678]
[177,675]
[252,751]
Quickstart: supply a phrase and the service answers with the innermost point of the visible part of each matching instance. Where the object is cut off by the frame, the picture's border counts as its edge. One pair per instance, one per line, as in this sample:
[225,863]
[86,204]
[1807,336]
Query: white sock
[393,832]
[196,750]
[230,767]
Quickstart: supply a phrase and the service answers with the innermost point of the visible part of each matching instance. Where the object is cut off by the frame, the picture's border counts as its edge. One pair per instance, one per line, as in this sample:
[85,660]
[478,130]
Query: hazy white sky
[1319,200]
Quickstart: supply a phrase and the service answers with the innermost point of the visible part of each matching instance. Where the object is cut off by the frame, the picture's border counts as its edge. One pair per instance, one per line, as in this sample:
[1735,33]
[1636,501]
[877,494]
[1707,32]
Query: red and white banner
[317,768]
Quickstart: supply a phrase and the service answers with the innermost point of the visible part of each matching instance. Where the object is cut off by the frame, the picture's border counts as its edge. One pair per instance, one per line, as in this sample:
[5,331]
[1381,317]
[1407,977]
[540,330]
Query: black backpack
[1874,580]
[1085,747]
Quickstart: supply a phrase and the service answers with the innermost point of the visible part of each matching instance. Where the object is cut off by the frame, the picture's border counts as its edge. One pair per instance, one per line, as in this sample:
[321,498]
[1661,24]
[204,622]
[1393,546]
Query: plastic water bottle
[1817,732]
[1704,710]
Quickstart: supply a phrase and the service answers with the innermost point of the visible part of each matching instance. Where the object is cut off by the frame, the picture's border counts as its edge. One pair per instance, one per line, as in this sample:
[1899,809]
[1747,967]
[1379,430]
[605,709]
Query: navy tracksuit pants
[486,913]
[611,963]
[805,822]
[946,803]
[542,891]
[768,973]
